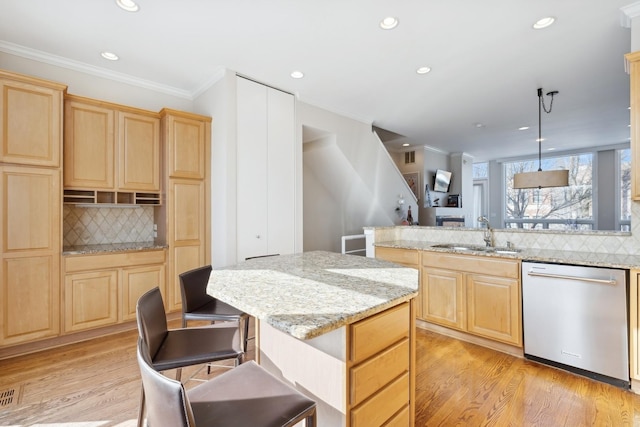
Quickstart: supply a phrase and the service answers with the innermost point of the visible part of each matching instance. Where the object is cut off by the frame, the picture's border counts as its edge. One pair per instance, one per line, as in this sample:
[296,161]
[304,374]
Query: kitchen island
[340,328]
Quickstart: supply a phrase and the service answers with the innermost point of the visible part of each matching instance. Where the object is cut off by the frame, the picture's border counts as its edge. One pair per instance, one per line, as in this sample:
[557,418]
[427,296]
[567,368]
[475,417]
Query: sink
[461,247]
[504,251]
[477,248]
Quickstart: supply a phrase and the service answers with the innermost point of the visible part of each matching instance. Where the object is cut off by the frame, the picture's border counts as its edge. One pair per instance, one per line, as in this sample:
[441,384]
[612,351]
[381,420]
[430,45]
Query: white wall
[93,86]
[350,181]
[219,102]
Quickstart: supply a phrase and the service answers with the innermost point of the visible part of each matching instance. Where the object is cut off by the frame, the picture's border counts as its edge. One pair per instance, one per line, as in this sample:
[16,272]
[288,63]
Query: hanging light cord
[541,107]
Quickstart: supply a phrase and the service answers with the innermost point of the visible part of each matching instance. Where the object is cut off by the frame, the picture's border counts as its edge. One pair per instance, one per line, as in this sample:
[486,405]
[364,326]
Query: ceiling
[487,62]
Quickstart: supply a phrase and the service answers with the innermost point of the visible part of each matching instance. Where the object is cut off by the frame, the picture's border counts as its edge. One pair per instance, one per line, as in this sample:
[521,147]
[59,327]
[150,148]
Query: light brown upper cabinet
[89,145]
[138,152]
[634,74]
[31,122]
[110,147]
[186,137]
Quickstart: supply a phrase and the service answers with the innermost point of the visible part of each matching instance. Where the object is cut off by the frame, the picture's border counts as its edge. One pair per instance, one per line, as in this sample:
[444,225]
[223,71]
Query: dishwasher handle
[562,276]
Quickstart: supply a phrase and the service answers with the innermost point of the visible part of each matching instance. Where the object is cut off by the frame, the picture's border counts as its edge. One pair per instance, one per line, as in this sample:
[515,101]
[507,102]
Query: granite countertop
[593,259]
[312,293]
[112,247]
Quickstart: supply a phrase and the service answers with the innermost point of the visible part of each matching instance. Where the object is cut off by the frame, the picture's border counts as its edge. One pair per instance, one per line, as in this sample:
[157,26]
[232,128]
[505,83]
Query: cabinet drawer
[406,257]
[103,261]
[374,334]
[401,419]
[382,406]
[475,264]
[372,375]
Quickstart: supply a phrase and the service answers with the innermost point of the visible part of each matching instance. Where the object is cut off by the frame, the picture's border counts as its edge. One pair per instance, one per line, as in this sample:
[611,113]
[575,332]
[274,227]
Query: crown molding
[59,61]
[218,74]
[627,13]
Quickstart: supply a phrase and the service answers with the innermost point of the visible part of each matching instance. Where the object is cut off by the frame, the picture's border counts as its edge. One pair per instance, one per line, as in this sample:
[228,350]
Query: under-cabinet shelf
[99,197]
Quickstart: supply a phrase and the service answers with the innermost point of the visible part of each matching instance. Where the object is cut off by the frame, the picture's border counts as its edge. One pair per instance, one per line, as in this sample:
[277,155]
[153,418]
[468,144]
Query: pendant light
[540,178]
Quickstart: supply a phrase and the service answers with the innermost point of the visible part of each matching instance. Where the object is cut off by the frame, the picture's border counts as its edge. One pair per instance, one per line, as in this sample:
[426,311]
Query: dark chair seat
[193,346]
[244,396]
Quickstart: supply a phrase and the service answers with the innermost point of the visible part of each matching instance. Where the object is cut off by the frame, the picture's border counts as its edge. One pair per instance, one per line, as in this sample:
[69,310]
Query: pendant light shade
[540,178]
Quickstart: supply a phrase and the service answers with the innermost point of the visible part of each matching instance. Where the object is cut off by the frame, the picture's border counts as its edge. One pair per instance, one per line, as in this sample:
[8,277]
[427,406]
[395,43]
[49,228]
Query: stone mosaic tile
[566,241]
[106,225]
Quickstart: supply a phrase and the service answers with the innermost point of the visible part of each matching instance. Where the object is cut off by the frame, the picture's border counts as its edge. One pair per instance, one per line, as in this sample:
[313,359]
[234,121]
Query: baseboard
[473,339]
[76,337]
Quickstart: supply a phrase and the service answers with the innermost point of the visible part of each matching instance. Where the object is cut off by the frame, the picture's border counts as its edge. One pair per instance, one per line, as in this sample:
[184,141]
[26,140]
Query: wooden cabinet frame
[103,289]
[111,153]
[480,295]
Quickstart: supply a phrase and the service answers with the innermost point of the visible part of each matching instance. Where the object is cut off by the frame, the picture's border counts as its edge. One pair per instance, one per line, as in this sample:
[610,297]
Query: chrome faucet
[488,232]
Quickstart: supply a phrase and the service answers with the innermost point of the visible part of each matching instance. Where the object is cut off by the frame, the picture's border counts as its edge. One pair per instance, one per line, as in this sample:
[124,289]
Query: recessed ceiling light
[405,144]
[523,128]
[388,23]
[423,70]
[110,56]
[297,74]
[128,5]
[544,22]
[478,125]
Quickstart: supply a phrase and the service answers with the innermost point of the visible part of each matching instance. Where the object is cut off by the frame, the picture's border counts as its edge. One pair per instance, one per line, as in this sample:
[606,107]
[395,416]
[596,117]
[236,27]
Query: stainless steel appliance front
[576,318]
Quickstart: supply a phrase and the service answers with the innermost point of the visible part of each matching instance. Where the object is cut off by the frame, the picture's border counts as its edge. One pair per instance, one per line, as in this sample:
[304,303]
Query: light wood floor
[97,384]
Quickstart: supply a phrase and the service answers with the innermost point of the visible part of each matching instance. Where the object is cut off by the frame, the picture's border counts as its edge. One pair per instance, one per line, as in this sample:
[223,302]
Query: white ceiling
[487,62]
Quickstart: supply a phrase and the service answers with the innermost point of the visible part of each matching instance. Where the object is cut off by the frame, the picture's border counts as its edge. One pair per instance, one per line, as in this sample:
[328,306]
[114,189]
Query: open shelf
[99,197]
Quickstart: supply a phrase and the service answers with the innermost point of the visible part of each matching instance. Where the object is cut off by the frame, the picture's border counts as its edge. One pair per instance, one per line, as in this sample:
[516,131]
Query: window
[624,192]
[409,157]
[480,192]
[481,170]
[560,208]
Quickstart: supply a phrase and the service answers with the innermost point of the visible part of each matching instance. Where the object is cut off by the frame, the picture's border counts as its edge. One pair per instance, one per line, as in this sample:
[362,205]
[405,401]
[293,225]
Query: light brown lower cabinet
[475,294]
[444,297]
[103,289]
[30,236]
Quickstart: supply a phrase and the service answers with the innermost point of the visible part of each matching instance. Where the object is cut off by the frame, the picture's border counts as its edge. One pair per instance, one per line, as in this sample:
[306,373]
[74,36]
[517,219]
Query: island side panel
[316,367]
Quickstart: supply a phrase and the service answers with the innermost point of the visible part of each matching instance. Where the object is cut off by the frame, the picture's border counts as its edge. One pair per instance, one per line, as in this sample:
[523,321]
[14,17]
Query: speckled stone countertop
[593,259]
[113,247]
[312,293]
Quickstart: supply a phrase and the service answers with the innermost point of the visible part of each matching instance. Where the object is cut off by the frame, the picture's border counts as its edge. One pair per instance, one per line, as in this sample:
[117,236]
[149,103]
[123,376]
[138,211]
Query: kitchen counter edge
[112,248]
[593,259]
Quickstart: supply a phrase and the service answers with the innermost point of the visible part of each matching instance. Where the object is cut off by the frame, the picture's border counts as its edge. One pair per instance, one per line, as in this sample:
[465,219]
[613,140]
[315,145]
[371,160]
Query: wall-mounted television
[442,181]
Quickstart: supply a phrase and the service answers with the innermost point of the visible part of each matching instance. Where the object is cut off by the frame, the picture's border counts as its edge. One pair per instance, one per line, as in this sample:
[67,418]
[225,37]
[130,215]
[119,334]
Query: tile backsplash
[103,225]
[594,241]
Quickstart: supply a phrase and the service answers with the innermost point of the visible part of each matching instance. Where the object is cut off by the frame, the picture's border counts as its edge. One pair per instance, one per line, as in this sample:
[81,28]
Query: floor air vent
[8,397]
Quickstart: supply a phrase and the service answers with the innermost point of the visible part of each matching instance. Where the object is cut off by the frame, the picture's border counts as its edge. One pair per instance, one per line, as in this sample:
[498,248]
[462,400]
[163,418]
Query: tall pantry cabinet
[31,207]
[185,216]
[265,170]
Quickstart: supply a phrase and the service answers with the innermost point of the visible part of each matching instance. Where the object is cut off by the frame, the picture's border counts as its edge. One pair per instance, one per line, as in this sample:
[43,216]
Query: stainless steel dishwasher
[575,318]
